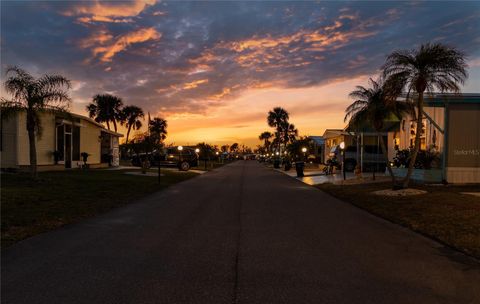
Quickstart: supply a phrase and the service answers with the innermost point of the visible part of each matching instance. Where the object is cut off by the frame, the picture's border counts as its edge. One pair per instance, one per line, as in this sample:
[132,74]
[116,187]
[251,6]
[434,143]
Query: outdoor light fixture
[277,153]
[304,150]
[342,148]
[216,153]
[180,148]
[197,150]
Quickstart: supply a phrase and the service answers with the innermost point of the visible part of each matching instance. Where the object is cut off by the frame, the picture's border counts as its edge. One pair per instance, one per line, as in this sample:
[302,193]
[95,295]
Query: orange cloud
[194,84]
[105,45]
[108,11]
[100,37]
[269,51]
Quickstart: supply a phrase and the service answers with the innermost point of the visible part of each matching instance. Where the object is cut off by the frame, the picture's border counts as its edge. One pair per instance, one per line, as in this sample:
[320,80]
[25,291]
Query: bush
[426,159]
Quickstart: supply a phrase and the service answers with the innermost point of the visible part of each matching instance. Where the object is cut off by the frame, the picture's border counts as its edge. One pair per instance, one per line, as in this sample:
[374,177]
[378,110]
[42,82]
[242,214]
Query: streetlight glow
[342,145]
[216,153]
[180,148]
[197,150]
[277,153]
[304,150]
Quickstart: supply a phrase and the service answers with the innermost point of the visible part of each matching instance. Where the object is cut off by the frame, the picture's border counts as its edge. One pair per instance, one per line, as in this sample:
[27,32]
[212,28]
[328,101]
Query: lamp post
[159,171]
[304,150]
[197,150]
[342,150]
[180,149]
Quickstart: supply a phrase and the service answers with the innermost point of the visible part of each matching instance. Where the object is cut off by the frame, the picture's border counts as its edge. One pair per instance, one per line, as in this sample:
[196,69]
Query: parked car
[372,157]
[171,156]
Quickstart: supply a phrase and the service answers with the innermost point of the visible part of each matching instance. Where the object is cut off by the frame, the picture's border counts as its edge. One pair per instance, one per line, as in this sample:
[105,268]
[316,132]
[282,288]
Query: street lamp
[342,150]
[197,150]
[180,149]
[304,150]
[277,153]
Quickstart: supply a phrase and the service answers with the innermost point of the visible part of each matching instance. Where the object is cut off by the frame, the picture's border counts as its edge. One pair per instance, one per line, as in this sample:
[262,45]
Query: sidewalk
[317,177]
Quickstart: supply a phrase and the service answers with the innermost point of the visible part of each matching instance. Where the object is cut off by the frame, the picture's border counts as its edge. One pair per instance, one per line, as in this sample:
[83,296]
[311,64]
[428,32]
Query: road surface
[240,234]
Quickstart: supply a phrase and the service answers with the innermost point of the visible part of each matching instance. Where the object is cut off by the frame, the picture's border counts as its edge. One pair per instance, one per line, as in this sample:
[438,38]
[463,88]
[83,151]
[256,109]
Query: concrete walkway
[239,234]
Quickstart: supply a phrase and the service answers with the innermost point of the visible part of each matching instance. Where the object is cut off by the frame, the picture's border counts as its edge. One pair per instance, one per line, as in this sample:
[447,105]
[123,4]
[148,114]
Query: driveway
[239,234]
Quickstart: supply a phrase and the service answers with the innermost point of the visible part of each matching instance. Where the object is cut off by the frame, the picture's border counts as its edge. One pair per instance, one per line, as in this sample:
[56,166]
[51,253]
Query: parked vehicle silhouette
[171,156]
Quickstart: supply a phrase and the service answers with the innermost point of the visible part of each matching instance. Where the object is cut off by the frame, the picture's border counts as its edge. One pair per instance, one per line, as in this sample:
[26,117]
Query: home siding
[9,143]
[45,143]
[90,141]
[463,161]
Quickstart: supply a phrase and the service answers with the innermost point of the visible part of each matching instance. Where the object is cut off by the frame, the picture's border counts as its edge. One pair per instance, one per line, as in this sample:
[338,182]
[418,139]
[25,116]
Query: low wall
[421,175]
[463,175]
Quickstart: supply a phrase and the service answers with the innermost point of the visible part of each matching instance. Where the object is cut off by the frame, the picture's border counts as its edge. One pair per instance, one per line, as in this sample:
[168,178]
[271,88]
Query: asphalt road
[239,234]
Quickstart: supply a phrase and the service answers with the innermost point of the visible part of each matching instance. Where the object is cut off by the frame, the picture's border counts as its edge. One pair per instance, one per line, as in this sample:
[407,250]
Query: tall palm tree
[290,133]
[105,108]
[374,105]
[158,129]
[276,119]
[131,116]
[432,66]
[47,93]
[265,137]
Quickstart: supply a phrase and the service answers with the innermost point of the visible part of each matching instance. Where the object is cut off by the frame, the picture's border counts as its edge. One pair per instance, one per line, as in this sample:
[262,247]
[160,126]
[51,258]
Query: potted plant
[56,156]
[84,156]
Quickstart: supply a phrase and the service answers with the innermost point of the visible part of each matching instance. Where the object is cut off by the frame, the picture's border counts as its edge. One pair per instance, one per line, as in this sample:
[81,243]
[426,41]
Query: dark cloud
[189,56]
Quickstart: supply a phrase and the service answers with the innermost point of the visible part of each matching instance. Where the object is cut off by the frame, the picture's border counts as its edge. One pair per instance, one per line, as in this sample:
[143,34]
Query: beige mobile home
[452,127]
[63,136]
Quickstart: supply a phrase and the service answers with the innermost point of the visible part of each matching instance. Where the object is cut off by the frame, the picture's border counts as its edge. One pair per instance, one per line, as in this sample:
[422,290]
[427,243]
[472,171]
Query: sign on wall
[464,136]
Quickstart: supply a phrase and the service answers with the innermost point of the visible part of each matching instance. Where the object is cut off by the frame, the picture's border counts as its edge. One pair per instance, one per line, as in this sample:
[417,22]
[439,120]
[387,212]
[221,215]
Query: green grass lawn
[64,197]
[444,213]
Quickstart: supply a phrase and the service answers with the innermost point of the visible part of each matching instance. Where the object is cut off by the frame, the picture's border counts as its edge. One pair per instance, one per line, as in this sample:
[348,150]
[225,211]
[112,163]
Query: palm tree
[105,108]
[158,129]
[375,105]
[276,119]
[290,133]
[265,137]
[130,116]
[47,93]
[432,66]
[234,148]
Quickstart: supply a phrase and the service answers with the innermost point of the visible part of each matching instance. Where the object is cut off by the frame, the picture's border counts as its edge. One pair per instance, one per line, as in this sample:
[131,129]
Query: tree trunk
[108,125]
[387,162]
[114,124]
[416,148]
[32,143]
[128,133]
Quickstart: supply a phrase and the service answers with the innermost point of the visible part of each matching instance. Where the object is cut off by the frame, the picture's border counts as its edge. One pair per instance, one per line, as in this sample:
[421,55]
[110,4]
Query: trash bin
[276,164]
[299,165]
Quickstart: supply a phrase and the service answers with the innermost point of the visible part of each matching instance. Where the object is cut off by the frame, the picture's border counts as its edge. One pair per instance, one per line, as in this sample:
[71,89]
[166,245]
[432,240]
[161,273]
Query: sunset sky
[214,69]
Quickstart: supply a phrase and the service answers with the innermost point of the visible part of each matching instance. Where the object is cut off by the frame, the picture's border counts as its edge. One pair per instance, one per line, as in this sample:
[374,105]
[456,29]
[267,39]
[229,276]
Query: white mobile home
[451,126]
[63,139]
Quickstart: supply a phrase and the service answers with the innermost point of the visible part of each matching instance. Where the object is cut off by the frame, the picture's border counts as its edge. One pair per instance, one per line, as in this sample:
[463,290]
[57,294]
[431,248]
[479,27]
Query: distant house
[361,148]
[318,144]
[64,135]
[451,126]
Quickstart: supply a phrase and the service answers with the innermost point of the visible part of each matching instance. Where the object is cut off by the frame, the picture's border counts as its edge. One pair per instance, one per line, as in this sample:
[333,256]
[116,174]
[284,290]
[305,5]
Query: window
[76,143]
